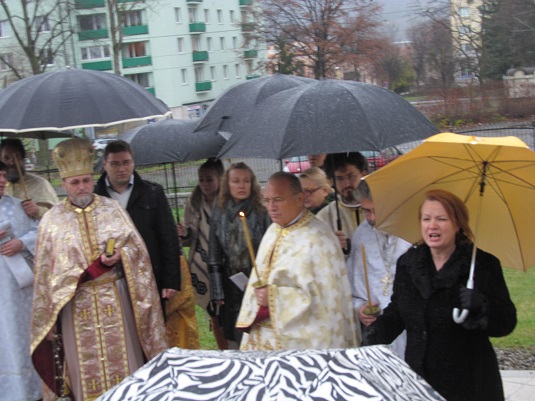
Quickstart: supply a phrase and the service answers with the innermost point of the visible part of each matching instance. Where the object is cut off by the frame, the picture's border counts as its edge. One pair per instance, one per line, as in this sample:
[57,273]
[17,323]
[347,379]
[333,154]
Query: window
[184,76]
[132,50]
[46,57]
[249,67]
[212,73]
[209,44]
[6,59]
[234,42]
[206,15]
[222,42]
[5,29]
[195,43]
[180,44]
[132,18]
[42,24]
[178,16]
[464,30]
[232,17]
[237,68]
[95,52]
[199,73]
[192,15]
[225,71]
[92,22]
[467,47]
[141,79]
[464,12]
[219,16]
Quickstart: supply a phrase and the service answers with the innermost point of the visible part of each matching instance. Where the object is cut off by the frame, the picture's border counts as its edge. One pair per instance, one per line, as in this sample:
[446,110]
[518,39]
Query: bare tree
[41,29]
[324,34]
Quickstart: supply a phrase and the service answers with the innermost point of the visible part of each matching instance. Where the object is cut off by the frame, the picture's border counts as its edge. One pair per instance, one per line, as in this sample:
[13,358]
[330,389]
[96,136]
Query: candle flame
[241,214]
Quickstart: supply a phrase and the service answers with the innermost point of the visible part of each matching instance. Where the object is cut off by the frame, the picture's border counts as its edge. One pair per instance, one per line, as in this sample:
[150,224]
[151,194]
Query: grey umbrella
[170,141]
[71,98]
[227,112]
[327,116]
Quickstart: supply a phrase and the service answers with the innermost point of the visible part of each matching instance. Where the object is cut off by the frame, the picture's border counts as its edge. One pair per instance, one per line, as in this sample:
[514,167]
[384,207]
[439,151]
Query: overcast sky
[400,15]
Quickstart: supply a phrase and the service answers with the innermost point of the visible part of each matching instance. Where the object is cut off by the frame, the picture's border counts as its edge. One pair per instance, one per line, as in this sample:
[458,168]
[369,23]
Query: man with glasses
[298,296]
[382,251]
[149,209]
[343,216]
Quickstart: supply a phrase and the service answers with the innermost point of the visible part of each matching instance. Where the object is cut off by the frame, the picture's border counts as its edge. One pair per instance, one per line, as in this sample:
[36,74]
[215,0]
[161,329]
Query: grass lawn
[521,286]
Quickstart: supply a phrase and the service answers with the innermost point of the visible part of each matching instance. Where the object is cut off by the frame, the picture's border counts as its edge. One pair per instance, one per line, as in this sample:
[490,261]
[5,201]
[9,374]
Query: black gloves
[471,299]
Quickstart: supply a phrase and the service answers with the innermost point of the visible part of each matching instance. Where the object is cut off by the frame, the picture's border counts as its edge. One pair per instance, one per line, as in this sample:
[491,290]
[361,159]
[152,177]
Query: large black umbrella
[327,116]
[71,98]
[227,112]
[170,141]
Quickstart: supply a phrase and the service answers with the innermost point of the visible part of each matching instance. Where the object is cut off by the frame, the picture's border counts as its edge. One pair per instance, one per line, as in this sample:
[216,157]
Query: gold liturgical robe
[108,317]
[309,295]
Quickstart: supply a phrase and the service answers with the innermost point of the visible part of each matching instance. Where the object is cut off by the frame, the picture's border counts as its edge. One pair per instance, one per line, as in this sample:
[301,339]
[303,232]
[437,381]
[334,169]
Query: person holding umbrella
[458,360]
[37,194]
[228,253]
[343,215]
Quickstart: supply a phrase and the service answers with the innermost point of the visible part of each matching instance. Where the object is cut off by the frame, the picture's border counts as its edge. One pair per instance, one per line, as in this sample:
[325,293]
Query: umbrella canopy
[38,134]
[227,112]
[327,116]
[502,216]
[71,98]
[170,141]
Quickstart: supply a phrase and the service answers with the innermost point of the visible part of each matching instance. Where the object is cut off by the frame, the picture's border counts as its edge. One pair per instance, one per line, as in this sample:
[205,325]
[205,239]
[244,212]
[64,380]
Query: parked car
[28,165]
[99,145]
[296,164]
[377,159]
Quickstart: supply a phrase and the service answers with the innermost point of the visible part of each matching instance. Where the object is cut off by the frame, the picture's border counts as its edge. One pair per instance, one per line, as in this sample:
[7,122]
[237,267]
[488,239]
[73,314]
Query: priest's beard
[82,200]
[12,174]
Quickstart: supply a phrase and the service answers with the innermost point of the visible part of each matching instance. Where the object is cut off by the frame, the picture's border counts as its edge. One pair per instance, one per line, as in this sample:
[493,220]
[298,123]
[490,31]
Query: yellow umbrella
[495,177]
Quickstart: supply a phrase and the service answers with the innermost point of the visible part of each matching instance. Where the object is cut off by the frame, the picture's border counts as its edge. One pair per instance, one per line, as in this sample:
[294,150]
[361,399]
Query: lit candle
[250,247]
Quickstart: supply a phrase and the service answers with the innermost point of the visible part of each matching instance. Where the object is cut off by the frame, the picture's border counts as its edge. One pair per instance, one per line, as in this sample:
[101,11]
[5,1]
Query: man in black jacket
[147,205]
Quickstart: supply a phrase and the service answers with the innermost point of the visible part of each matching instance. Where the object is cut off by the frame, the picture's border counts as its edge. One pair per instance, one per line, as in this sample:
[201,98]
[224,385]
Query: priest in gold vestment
[98,301]
[300,298]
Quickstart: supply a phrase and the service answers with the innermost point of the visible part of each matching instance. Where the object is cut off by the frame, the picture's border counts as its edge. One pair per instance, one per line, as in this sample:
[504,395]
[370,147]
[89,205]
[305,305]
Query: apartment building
[466,26]
[186,52]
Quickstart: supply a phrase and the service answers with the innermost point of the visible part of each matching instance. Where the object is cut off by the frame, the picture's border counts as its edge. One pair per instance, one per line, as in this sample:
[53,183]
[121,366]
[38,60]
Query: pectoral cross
[387,282]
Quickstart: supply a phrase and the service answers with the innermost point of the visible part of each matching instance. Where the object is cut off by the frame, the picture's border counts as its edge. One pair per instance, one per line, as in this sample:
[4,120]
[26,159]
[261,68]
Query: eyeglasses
[309,192]
[124,163]
[276,200]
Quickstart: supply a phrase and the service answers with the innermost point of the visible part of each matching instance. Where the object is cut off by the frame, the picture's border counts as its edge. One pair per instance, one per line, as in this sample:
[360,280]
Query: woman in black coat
[458,360]
[227,248]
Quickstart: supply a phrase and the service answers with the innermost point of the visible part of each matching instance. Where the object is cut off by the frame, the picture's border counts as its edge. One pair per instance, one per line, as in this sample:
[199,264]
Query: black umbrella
[72,98]
[327,116]
[227,112]
[170,141]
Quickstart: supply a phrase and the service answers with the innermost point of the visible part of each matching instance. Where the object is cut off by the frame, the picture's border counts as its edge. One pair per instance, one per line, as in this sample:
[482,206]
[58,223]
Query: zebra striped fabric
[368,373]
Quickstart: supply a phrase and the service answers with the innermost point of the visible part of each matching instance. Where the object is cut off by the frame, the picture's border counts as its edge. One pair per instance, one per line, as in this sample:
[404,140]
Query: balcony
[247,26]
[197,27]
[246,2]
[194,1]
[151,90]
[203,86]
[200,56]
[250,53]
[81,4]
[248,77]
[137,61]
[104,65]
[92,35]
[136,30]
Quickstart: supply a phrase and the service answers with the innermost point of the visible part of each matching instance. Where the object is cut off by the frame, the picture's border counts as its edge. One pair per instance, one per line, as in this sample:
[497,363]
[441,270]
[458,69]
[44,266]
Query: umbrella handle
[458,316]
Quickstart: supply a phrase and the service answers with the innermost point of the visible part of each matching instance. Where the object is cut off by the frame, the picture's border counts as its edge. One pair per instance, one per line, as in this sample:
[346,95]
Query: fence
[178,179]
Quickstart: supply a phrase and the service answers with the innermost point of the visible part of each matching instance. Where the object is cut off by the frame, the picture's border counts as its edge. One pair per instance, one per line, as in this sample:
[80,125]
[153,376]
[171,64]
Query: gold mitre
[73,157]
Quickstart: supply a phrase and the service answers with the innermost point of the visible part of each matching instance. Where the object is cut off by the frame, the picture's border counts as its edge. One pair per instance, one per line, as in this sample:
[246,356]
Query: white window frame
[209,44]
[180,45]
[237,70]
[89,51]
[219,16]
[212,73]
[184,73]
[178,15]
[225,71]
[42,24]
[206,15]
[222,43]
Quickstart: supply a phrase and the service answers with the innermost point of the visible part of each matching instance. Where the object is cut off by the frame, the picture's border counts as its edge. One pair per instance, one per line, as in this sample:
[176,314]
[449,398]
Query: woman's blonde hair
[318,176]
[256,191]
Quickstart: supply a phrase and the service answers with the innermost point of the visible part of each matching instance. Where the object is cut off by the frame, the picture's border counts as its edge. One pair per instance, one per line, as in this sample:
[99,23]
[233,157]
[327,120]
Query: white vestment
[18,379]
[382,252]
[309,293]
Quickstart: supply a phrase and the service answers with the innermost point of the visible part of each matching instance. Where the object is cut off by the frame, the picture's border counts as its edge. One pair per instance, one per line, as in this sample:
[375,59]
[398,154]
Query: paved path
[518,385]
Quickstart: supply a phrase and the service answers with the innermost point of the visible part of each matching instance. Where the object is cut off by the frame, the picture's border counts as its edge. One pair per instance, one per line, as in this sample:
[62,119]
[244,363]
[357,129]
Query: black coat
[149,209]
[456,359]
